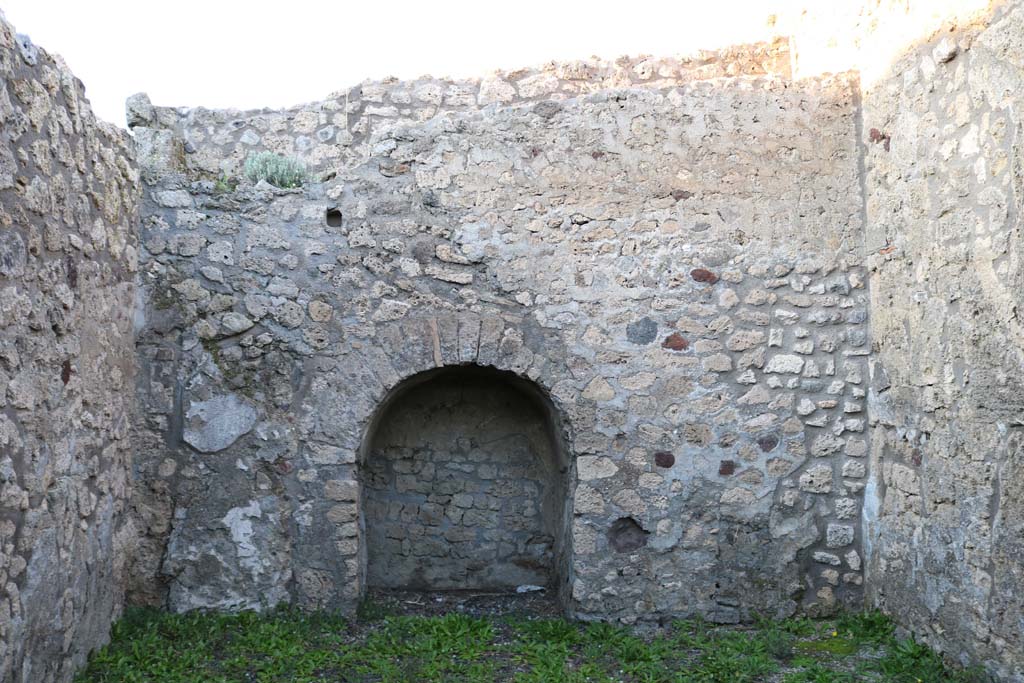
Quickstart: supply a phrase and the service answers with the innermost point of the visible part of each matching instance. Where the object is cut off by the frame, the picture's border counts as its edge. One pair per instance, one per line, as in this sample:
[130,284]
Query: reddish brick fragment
[726,467]
[703,275]
[675,342]
[664,459]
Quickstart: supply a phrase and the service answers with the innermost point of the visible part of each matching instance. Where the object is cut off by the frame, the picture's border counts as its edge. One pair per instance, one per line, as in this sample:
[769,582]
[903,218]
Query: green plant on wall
[224,184]
[280,171]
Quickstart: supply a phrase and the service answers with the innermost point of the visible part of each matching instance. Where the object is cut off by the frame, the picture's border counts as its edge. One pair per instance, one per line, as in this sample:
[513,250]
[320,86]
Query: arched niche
[466,485]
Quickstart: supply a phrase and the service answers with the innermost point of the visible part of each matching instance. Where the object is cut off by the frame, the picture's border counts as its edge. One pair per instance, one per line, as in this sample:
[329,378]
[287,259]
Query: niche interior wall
[465,478]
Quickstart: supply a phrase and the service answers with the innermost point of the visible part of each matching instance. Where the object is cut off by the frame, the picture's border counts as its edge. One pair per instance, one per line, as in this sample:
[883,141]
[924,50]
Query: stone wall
[463,488]
[68,217]
[674,262]
[670,257]
[944,525]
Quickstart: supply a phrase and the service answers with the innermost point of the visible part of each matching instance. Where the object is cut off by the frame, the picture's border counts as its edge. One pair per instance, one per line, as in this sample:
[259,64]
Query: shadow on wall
[465,485]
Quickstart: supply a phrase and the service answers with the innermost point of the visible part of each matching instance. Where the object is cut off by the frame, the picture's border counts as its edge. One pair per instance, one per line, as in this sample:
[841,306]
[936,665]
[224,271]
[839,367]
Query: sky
[231,54]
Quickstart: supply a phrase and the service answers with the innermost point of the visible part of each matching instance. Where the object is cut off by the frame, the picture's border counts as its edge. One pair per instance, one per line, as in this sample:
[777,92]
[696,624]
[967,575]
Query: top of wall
[553,80]
[60,166]
[742,98]
[58,77]
[352,115]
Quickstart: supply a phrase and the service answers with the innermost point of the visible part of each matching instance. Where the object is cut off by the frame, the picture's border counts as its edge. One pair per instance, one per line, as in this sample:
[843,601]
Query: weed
[907,661]
[370,610]
[779,637]
[835,646]
[286,645]
[224,184]
[866,627]
[778,643]
[283,172]
[798,626]
[814,672]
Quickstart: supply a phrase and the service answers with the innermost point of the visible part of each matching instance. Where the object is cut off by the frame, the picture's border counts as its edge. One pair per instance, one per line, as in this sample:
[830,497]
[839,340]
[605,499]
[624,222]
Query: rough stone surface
[672,262]
[944,141]
[679,299]
[68,222]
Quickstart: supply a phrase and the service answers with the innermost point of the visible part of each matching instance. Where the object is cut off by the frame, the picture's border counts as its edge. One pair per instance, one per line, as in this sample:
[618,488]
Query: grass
[280,171]
[149,646]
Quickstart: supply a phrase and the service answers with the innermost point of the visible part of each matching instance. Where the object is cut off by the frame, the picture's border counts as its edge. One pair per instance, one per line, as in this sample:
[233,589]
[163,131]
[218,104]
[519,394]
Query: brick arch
[561,431]
[330,552]
[407,349]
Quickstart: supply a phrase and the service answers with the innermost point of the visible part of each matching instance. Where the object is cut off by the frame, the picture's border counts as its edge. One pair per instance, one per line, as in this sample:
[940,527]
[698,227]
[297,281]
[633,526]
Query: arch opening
[466,486]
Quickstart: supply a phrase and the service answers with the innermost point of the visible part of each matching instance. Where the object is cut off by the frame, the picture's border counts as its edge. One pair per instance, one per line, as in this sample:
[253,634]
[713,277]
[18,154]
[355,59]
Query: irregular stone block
[785,364]
[817,479]
[216,423]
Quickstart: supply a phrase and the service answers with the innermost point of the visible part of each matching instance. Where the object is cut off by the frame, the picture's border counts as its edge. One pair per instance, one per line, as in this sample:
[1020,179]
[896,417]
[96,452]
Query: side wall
[676,263]
[944,515]
[68,216]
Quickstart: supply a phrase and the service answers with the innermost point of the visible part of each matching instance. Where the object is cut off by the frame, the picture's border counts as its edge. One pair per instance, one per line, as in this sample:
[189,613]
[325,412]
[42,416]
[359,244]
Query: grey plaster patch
[216,423]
